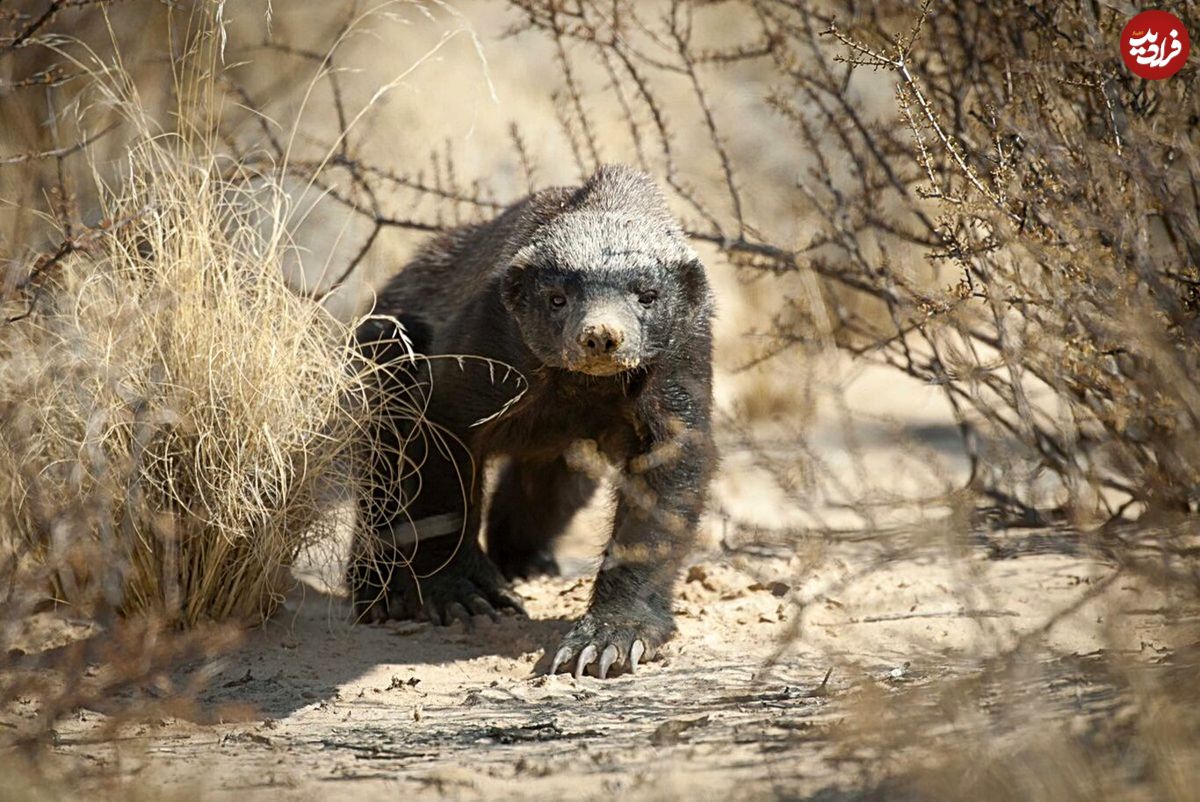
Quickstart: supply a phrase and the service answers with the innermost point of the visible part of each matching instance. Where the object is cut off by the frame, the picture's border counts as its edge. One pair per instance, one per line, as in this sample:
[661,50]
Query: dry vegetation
[178,423]
[976,196]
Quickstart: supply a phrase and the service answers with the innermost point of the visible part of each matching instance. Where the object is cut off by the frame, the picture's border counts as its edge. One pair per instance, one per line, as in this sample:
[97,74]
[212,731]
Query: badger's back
[453,268]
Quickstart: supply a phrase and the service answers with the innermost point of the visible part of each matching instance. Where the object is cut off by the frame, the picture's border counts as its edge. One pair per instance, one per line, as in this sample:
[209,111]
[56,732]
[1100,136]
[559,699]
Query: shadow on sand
[311,649]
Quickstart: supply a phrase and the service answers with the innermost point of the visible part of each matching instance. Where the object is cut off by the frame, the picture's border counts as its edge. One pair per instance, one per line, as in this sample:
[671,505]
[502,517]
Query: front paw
[449,598]
[467,587]
[610,641]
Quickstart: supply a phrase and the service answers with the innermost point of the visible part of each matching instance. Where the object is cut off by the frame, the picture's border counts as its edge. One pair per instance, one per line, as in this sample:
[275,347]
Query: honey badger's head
[609,284]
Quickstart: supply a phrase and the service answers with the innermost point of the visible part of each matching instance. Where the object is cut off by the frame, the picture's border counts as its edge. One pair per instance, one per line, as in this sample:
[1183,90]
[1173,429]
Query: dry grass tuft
[177,420]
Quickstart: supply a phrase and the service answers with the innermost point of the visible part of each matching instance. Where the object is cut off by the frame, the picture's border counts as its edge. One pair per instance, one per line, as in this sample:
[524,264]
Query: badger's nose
[600,339]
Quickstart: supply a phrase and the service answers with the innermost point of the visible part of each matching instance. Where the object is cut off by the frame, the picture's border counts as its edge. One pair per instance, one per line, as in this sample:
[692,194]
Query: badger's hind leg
[395,384]
[416,553]
[531,506]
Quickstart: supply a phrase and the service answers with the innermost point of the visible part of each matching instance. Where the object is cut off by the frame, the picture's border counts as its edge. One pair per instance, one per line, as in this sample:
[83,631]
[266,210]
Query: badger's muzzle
[604,344]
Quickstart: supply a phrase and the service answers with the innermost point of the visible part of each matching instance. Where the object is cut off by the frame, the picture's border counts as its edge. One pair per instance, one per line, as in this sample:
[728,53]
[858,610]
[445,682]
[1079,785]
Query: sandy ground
[745,703]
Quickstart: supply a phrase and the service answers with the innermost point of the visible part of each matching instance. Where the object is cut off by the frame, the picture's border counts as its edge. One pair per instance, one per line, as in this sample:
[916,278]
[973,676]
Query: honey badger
[593,295]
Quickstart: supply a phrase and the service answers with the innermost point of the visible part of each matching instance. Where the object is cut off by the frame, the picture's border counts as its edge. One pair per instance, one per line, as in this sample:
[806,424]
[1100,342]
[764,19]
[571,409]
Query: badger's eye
[558,300]
[647,297]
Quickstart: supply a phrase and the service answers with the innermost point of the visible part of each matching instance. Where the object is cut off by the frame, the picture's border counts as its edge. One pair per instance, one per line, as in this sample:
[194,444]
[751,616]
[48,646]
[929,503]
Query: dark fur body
[525,290]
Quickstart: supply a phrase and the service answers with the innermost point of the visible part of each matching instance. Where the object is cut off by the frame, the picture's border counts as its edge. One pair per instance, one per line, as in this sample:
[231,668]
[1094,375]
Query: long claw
[564,654]
[511,601]
[585,658]
[635,654]
[480,606]
[455,611]
[607,659]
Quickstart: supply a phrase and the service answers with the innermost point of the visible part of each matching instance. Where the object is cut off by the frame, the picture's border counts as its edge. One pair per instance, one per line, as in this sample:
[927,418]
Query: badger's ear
[695,283]
[512,286]
[549,203]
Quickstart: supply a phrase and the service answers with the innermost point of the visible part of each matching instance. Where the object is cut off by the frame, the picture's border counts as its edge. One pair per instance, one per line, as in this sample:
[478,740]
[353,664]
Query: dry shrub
[178,421]
[1100,726]
[1023,224]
